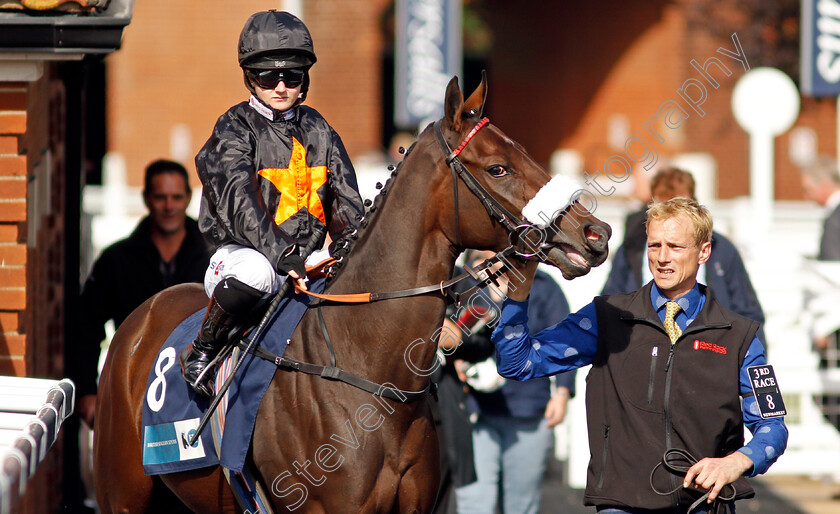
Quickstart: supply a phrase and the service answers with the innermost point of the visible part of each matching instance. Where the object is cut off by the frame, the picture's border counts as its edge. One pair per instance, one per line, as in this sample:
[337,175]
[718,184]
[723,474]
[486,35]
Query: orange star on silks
[298,185]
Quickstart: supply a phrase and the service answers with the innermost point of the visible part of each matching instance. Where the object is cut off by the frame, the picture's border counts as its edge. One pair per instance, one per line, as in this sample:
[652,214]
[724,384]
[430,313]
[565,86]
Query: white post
[293,6]
[762,176]
[114,185]
[765,103]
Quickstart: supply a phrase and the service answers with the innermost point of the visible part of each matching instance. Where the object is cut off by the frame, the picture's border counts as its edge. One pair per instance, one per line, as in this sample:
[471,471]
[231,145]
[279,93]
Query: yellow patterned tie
[671,310]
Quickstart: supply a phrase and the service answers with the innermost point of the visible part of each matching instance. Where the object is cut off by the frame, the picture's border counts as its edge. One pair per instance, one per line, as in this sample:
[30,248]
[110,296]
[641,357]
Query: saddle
[172,410]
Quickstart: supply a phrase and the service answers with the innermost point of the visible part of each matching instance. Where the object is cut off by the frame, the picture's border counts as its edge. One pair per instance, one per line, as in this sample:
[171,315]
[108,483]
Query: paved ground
[773,495]
[808,495]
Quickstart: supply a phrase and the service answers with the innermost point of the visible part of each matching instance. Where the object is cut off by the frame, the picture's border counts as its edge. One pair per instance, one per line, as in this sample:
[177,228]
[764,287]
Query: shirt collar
[833,201]
[689,302]
[269,113]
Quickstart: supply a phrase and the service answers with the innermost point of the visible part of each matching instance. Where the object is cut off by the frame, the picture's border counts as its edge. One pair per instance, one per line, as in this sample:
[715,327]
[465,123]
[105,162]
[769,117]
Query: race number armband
[766,390]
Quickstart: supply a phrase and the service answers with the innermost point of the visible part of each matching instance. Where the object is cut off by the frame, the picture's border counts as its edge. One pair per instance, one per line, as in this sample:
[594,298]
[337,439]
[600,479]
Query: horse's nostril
[591,234]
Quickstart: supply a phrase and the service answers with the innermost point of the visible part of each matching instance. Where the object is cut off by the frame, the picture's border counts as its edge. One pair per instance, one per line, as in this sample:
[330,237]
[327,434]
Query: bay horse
[389,460]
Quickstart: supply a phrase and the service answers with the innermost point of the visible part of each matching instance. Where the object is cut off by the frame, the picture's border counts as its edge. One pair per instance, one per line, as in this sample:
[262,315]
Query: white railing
[31,413]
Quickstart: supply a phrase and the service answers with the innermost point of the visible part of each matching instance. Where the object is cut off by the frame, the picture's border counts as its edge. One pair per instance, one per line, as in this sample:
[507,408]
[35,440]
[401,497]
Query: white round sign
[765,100]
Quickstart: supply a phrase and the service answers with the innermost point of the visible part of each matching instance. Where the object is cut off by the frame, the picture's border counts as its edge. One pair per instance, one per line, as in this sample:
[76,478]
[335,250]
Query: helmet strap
[304,88]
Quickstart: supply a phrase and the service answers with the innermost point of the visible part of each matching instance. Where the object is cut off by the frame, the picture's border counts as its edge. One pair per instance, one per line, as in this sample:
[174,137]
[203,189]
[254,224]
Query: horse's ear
[475,103]
[453,104]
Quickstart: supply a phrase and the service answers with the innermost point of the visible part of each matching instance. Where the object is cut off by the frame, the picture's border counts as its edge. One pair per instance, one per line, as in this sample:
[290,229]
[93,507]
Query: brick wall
[31,227]
[555,84]
[721,136]
[32,245]
[13,254]
[347,79]
[178,66]
[558,72]
[46,275]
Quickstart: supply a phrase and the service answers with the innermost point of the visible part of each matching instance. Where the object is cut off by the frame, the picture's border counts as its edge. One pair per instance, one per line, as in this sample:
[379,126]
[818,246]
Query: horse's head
[509,199]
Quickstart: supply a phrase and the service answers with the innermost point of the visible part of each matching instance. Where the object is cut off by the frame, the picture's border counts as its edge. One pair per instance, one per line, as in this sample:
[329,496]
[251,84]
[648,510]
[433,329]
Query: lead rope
[669,462]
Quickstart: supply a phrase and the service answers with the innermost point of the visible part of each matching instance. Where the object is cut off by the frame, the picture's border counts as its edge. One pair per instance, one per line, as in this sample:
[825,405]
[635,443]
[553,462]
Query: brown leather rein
[444,287]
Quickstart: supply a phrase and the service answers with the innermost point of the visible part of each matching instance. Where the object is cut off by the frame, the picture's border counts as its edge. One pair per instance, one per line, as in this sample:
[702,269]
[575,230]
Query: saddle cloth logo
[168,442]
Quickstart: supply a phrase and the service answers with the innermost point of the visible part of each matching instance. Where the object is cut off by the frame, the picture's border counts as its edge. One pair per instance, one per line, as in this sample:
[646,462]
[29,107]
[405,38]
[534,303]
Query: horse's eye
[498,171]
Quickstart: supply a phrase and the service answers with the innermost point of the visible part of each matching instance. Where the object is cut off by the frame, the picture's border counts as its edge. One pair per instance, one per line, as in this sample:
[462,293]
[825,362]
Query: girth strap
[323,325]
[335,373]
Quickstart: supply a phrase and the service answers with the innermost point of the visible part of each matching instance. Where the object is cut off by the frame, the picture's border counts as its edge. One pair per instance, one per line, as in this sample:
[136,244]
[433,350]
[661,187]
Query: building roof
[90,30]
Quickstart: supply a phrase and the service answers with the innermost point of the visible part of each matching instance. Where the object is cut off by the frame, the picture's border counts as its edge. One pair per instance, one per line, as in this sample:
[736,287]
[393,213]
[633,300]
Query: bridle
[495,209]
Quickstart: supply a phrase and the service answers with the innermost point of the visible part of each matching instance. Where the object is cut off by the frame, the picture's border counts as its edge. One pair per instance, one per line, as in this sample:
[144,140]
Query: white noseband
[552,199]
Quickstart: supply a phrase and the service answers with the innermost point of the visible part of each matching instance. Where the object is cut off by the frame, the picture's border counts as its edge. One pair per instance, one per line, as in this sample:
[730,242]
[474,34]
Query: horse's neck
[400,249]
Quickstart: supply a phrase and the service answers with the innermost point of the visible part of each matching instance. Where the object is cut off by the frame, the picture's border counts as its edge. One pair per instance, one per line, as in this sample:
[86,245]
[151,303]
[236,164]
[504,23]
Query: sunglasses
[268,79]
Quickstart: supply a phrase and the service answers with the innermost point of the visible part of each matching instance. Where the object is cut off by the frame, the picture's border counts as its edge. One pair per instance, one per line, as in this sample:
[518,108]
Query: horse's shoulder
[156,318]
[179,295]
[169,307]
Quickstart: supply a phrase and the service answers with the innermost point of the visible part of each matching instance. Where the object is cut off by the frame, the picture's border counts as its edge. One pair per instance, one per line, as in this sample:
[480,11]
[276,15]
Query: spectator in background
[164,249]
[452,419]
[511,434]
[724,273]
[821,184]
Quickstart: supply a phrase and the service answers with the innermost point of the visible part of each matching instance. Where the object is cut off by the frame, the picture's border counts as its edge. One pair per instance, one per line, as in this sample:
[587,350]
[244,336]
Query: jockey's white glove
[317,256]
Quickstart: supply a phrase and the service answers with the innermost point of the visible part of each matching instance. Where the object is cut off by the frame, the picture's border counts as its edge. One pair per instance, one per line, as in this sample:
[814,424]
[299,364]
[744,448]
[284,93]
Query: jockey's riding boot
[231,303]
[211,338]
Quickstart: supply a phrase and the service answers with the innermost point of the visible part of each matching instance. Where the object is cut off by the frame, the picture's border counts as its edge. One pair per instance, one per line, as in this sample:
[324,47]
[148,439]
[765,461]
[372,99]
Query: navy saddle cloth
[172,410]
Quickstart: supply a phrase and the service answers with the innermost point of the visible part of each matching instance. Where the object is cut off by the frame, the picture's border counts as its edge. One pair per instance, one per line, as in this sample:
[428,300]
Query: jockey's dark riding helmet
[276,40]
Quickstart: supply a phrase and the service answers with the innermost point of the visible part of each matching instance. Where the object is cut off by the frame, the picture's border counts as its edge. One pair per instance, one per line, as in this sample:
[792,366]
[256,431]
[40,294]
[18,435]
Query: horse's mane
[345,250]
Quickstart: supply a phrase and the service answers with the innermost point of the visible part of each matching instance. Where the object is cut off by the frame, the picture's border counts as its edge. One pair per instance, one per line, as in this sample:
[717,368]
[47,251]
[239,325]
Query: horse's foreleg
[419,483]
[418,487]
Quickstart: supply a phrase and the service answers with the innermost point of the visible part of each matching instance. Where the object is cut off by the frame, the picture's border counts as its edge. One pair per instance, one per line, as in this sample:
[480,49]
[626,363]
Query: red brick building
[178,70]
[47,68]
[559,72]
